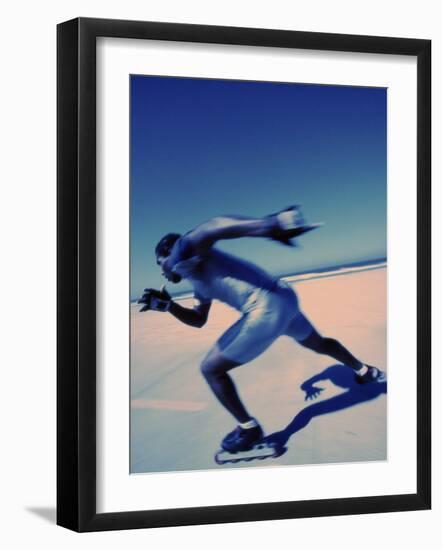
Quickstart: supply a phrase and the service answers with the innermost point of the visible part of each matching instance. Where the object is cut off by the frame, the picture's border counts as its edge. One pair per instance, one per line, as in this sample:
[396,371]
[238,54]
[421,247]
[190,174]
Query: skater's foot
[372,374]
[242,439]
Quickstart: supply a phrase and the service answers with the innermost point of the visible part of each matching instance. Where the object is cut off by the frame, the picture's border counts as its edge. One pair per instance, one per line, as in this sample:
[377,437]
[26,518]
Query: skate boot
[372,375]
[244,445]
[242,439]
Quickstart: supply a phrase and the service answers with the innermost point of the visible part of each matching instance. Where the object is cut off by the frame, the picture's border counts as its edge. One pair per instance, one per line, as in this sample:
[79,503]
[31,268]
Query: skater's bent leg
[214,369]
[245,340]
[331,347]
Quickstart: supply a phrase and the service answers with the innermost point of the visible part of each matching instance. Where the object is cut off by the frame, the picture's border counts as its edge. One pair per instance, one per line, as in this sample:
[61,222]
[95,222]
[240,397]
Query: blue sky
[200,148]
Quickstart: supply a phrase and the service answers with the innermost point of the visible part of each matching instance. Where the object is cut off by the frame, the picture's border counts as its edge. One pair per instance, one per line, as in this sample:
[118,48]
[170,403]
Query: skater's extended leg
[305,334]
[331,347]
[215,369]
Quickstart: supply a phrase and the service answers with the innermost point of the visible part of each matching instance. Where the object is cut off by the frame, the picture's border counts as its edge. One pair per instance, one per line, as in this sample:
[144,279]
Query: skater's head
[162,253]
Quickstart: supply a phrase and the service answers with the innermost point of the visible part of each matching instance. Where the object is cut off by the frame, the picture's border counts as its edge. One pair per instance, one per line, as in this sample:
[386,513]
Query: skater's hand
[287,225]
[312,392]
[156,300]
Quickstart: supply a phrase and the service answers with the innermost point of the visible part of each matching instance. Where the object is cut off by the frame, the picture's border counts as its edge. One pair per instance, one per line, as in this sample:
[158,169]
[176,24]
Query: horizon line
[312,274]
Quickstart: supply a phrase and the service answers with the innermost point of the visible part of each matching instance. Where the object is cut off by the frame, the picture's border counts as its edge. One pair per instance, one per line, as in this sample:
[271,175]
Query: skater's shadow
[341,376]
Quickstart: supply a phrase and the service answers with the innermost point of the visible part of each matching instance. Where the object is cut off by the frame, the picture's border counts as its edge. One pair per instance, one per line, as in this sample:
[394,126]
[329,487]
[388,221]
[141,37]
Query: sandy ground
[177,424]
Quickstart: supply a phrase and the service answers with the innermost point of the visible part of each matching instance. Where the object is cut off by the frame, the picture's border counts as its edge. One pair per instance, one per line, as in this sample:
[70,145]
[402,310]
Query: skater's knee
[211,369]
[206,369]
[214,365]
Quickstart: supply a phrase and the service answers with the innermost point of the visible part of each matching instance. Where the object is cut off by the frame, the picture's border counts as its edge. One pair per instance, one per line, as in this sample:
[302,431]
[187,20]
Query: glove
[290,223]
[156,300]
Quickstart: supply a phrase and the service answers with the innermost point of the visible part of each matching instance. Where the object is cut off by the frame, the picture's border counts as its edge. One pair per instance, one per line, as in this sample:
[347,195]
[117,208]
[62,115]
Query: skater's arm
[203,236]
[196,317]
[160,300]
[283,226]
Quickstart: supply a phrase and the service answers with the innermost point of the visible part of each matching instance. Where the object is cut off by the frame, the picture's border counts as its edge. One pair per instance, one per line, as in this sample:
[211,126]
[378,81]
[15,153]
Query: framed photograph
[243,274]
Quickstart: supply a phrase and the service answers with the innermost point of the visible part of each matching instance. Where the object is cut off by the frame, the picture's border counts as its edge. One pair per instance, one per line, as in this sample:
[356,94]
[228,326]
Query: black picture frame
[76,273]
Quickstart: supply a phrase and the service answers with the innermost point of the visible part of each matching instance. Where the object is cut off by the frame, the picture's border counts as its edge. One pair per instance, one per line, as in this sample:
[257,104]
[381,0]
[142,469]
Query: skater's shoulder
[184,259]
[183,249]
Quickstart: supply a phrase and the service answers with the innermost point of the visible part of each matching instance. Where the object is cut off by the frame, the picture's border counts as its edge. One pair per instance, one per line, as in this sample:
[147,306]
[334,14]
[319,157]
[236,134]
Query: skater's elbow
[195,320]
[199,323]
[201,314]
